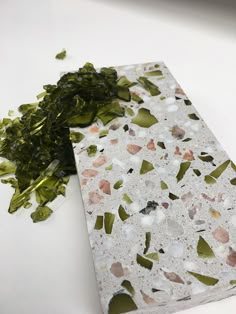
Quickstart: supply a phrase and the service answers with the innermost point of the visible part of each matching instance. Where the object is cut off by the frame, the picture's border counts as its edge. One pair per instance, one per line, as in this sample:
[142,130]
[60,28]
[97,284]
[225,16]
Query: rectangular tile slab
[159,198]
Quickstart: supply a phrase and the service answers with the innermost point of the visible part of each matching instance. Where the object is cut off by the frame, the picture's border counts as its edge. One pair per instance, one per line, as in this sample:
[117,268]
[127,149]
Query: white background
[47,268]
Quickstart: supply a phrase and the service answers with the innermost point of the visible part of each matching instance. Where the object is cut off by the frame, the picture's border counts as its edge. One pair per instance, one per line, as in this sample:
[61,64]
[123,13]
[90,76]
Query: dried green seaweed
[92,150]
[127,199]
[121,303]
[142,261]
[147,242]
[41,213]
[149,86]
[146,167]
[206,158]
[118,185]
[219,170]
[154,256]
[209,180]
[203,249]
[40,136]
[215,174]
[233,181]
[135,97]
[163,185]
[76,137]
[122,213]
[99,223]
[7,167]
[128,286]
[61,55]
[206,280]
[173,197]
[184,166]
[144,118]
[109,219]
[161,145]
[197,172]
[154,73]
[193,116]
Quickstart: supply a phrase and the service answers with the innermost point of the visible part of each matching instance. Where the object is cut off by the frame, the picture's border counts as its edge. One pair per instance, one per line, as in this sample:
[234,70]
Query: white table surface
[47,268]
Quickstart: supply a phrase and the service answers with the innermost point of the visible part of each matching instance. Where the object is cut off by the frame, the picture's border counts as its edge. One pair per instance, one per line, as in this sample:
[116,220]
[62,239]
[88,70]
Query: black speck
[130,170]
[126,127]
[155,290]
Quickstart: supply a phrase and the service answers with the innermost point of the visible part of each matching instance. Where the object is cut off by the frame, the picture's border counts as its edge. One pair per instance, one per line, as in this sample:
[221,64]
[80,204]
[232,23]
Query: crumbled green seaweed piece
[129,111]
[215,174]
[193,116]
[49,190]
[147,242]
[184,166]
[220,169]
[41,134]
[122,213]
[187,102]
[128,286]
[154,73]
[7,167]
[203,249]
[27,205]
[127,199]
[161,145]
[109,219]
[173,197]
[209,180]
[206,158]
[197,172]
[188,139]
[76,137]
[149,86]
[233,165]
[118,185]
[27,107]
[41,213]
[154,256]
[41,95]
[144,118]
[92,150]
[135,97]
[20,198]
[99,223]
[146,167]
[233,181]
[209,281]
[108,112]
[11,113]
[123,81]
[164,186]
[103,133]
[121,303]
[61,55]
[142,261]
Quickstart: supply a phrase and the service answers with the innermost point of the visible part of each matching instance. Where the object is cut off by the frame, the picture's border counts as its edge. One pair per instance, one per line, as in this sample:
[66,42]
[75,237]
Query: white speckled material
[159,197]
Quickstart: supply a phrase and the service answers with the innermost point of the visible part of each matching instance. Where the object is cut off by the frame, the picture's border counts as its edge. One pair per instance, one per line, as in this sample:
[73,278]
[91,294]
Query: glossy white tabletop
[47,267]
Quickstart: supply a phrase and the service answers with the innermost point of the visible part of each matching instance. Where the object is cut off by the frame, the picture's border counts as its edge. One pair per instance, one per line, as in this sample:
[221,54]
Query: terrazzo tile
[159,197]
